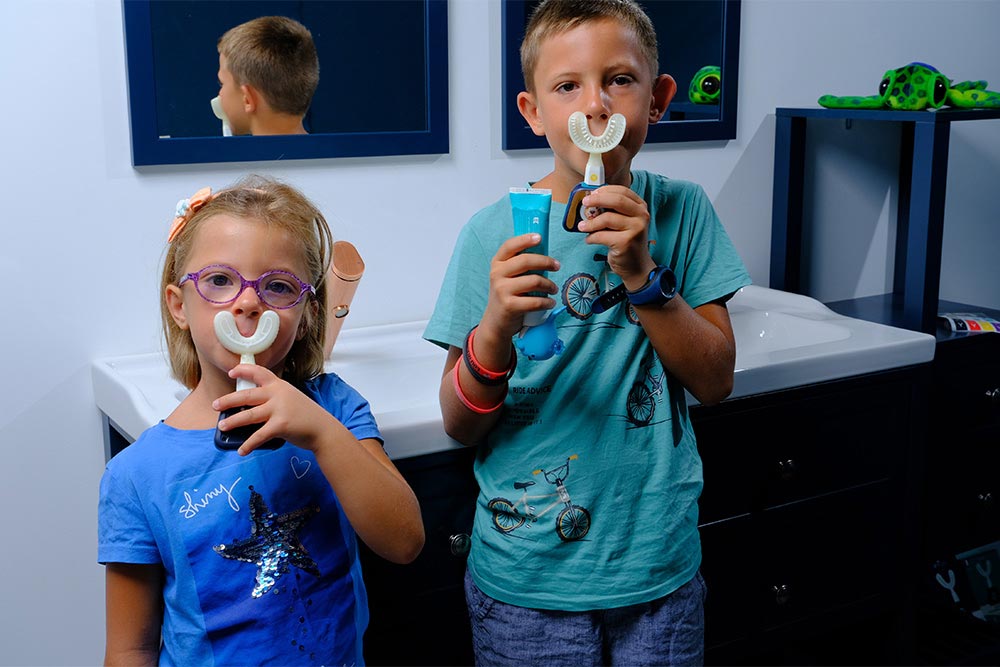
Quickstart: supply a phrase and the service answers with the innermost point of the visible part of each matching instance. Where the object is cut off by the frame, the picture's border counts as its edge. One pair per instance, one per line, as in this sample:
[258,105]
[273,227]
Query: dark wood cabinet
[804,521]
[418,613]
[805,518]
[960,514]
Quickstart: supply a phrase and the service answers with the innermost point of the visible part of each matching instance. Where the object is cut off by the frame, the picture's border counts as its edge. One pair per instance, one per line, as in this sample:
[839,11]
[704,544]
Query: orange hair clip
[186,208]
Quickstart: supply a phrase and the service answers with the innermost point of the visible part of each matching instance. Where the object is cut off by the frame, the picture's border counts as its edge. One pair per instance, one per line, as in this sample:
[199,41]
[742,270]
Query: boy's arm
[461,423]
[515,280]
[696,346]
[134,613]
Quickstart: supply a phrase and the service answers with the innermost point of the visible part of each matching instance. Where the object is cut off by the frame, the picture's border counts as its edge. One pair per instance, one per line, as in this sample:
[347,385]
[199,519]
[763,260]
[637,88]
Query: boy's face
[599,69]
[232,96]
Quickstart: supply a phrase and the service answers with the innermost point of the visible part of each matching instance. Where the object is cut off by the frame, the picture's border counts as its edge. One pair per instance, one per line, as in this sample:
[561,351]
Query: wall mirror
[383,86]
[692,34]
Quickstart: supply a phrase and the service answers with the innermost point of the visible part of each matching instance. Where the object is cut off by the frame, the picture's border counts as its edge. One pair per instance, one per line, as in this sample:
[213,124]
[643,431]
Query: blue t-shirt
[261,563]
[589,482]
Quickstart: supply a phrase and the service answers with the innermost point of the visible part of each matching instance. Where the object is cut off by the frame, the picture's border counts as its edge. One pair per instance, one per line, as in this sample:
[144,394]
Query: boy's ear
[251,98]
[664,89]
[175,304]
[529,109]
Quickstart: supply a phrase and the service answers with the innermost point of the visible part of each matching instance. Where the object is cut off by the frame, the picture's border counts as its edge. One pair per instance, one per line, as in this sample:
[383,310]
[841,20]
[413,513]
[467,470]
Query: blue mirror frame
[517,135]
[148,148]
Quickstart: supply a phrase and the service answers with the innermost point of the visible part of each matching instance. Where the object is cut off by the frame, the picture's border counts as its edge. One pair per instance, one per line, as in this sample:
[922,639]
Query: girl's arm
[378,502]
[134,613]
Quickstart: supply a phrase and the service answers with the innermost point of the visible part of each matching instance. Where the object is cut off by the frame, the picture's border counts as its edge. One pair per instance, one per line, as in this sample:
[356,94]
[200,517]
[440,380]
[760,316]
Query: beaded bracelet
[482,374]
[465,399]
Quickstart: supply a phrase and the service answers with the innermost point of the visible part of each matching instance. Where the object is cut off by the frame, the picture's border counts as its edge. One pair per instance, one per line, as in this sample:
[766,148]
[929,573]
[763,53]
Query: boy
[595,442]
[268,72]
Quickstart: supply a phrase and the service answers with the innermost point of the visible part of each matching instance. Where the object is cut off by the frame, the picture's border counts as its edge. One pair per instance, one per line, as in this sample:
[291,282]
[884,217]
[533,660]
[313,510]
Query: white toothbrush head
[231,338]
[579,132]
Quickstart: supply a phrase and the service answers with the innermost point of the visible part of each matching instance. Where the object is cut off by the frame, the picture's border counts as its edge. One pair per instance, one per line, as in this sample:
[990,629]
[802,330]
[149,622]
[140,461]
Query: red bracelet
[465,399]
[482,374]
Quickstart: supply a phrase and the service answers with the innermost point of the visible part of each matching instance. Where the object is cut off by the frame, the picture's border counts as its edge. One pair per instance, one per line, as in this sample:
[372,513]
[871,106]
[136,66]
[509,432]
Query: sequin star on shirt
[273,544]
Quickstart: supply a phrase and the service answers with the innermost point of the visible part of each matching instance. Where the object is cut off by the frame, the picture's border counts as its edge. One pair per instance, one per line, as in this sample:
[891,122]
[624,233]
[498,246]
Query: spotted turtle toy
[919,86]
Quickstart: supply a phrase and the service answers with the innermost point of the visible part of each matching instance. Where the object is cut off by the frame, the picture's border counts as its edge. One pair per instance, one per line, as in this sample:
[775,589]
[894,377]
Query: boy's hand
[511,282]
[282,410]
[622,228]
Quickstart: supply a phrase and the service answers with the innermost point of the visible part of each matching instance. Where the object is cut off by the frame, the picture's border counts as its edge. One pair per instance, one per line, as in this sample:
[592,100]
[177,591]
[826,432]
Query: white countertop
[783,340]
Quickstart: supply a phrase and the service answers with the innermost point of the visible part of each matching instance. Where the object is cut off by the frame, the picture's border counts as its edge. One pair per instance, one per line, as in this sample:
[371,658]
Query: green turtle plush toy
[919,86]
[706,85]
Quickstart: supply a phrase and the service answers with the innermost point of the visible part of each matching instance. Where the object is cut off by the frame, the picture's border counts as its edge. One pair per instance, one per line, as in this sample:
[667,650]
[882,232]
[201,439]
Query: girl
[249,556]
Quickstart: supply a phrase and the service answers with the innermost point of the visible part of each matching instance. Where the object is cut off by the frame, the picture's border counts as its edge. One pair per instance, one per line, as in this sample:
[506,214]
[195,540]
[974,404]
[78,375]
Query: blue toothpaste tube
[530,207]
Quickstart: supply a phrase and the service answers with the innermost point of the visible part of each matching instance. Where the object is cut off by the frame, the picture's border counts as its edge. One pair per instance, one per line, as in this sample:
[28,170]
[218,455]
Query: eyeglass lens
[222,284]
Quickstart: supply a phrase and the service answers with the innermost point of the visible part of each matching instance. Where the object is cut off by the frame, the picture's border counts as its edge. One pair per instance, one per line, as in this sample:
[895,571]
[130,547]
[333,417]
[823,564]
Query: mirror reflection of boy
[268,73]
[612,579]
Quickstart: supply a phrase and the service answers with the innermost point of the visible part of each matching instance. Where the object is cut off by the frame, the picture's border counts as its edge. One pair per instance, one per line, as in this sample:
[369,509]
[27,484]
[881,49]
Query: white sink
[787,340]
[783,340]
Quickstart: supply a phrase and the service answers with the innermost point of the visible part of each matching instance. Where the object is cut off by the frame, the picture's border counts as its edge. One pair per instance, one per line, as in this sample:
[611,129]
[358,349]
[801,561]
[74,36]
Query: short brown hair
[553,17]
[277,56]
[273,204]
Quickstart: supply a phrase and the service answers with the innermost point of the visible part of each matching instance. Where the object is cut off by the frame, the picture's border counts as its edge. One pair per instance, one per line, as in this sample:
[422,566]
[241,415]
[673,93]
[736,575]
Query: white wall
[83,231]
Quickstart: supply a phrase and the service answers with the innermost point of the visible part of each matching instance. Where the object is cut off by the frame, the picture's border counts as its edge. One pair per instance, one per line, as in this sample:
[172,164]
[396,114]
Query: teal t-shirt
[589,482]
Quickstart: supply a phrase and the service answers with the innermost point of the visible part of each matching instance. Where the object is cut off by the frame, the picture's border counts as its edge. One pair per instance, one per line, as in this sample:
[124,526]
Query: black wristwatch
[660,287]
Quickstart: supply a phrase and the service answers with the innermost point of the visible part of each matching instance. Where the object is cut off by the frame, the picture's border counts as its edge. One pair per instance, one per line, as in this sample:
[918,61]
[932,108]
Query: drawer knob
[459,544]
[787,469]
[782,595]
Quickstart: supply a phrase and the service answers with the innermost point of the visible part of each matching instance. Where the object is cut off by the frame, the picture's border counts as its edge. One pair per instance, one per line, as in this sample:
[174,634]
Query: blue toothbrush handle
[232,439]
[576,212]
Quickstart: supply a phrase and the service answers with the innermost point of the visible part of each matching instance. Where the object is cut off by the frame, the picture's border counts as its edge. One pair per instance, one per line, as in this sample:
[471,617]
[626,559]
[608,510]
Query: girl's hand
[623,229]
[282,410]
[510,283]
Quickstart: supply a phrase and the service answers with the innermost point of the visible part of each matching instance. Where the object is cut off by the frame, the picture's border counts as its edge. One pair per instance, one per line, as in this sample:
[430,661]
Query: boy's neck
[276,124]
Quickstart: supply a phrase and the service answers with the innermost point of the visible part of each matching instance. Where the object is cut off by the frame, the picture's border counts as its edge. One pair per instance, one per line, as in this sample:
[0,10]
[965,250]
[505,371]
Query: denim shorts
[667,631]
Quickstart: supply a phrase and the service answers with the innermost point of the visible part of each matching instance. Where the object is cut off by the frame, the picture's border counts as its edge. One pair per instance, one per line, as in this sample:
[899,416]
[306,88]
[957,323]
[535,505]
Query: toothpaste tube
[530,207]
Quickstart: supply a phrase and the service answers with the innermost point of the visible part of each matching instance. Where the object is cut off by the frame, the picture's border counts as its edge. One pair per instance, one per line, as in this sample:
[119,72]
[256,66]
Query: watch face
[659,290]
[668,284]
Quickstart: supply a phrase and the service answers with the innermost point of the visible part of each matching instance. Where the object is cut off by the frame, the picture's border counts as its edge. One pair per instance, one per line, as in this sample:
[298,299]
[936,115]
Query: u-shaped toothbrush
[593,178]
[231,338]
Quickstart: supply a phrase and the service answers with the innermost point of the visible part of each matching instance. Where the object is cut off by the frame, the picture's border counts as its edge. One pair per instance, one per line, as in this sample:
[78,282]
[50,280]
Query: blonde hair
[277,56]
[554,17]
[273,204]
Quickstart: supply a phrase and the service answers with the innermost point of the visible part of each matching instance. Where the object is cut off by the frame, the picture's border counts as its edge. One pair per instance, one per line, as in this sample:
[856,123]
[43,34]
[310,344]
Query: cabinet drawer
[962,505]
[726,462]
[447,491]
[728,573]
[826,443]
[789,446]
[826,553]
[967,383]
[417,611]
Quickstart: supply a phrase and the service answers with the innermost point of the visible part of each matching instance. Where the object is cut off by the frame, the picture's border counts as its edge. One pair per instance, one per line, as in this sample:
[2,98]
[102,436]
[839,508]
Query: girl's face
[251,248]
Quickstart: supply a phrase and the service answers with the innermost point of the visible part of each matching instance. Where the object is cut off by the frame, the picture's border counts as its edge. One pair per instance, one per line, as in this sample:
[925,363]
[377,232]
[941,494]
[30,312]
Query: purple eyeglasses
[222,284]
